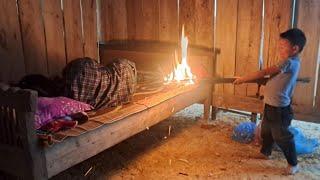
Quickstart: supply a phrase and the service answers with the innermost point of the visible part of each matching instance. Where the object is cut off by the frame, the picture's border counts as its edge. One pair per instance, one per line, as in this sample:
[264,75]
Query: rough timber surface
[76,149]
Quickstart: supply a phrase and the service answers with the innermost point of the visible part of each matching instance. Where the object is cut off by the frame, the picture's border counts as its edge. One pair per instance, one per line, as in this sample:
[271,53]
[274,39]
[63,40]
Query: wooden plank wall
[308,17]
[46,34]
[33,37]
[158,20]
[238,42]
[53,24]
[278,15]
[113,17]
[11,51]
[197,16]
[248,42]
[168,24]
[227,11]
[41,36]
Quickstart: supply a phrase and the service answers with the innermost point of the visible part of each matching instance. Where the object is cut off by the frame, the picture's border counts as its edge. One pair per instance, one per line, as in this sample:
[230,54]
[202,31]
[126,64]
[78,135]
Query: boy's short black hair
[295,36]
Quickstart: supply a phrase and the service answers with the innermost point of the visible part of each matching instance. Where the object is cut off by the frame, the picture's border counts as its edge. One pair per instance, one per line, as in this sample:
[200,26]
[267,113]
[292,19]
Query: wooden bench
[21,156]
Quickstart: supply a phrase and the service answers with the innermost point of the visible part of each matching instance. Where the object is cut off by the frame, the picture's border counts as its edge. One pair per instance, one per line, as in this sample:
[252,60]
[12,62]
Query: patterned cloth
[100,86]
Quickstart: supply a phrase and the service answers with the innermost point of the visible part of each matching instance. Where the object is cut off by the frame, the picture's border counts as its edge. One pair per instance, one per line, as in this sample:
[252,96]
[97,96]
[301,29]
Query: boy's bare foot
[291,170]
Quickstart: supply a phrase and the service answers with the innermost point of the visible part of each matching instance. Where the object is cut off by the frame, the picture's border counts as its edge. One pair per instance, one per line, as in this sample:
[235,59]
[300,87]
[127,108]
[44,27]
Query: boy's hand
[239,80]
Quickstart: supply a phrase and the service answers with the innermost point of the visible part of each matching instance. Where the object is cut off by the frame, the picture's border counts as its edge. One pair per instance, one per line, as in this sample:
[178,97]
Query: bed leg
[214,112]
[254,117]
[206,110]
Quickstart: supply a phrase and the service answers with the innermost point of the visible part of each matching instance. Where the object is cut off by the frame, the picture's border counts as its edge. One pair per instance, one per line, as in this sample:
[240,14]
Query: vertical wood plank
[248,42]
[277,19]
[53,22]
[104,20]
[33,37]
[11,52]
[169,26]
[143,19]
[204,19]
[73,29]
[225,41]
[119,19]
[187,17]
[89,18]
[308,21]
[116,22]
[317,108]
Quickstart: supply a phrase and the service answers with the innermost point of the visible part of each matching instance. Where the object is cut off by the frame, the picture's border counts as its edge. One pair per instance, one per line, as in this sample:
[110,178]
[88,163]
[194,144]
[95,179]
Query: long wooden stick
[262,81]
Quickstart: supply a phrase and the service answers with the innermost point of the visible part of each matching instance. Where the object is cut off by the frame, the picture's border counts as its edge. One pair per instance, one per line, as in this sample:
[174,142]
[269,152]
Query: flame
[182,71]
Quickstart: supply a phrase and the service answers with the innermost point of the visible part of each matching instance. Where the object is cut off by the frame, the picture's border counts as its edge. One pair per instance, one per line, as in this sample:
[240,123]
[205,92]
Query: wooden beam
[311,117]
[249,104]
[153,46]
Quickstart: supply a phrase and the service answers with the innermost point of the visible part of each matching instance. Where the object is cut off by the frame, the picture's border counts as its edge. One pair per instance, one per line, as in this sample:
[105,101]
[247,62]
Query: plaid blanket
[100,86]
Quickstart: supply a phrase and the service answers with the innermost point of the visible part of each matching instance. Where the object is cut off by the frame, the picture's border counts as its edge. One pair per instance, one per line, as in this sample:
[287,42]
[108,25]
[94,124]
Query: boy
[277,98]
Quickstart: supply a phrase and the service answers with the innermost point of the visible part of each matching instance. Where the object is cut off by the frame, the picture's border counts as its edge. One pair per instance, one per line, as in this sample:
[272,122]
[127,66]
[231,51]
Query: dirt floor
[192,151]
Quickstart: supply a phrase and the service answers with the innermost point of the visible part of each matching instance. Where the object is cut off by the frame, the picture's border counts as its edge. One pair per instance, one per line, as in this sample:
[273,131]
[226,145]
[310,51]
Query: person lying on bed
[100,86]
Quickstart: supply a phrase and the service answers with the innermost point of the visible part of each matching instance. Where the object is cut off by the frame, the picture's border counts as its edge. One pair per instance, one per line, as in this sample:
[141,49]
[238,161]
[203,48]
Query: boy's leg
[283,137]
[266,134]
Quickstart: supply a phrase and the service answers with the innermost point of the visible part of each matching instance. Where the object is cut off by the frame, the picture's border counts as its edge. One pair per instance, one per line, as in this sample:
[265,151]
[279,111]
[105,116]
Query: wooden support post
[214,112]
[206,109]
[254,117]
[207,104]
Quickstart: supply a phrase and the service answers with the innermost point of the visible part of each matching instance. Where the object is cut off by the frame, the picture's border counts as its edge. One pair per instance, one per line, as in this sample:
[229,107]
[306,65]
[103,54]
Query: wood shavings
[169,131]
[88,171]
[185,174]
[185,161]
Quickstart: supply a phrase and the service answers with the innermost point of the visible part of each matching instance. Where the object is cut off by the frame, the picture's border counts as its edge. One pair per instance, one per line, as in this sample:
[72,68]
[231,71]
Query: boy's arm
[258,75]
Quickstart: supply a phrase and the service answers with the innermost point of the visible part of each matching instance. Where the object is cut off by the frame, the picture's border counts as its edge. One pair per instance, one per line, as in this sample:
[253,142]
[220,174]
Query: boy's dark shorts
[279,115]
[275,129]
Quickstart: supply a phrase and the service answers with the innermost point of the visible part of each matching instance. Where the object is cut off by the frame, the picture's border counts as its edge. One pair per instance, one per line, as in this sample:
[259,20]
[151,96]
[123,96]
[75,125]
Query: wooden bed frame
[21,156]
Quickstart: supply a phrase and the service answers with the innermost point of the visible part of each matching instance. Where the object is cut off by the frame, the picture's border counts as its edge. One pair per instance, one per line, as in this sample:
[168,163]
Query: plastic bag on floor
[244,132]
[303,144]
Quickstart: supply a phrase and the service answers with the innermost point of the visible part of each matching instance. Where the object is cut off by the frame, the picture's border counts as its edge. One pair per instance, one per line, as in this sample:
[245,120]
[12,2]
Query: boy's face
[286,49]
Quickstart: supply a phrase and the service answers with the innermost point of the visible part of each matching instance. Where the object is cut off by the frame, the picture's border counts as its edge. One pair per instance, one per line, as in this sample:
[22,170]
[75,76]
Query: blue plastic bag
[302,143]
[244,132]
